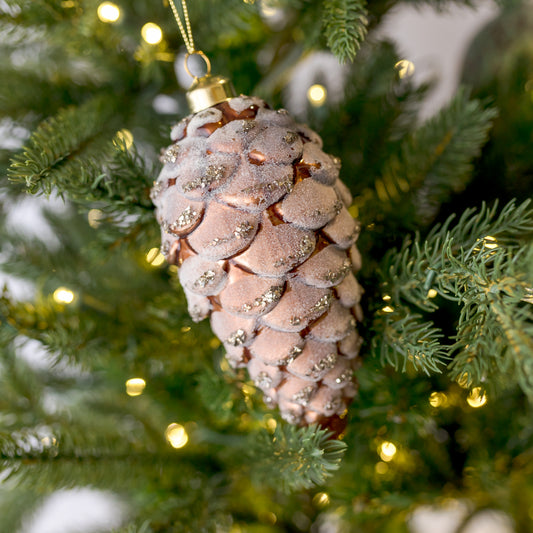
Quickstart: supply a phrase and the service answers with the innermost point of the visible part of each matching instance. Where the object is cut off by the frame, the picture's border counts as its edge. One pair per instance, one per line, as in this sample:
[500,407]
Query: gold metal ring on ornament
[206,61]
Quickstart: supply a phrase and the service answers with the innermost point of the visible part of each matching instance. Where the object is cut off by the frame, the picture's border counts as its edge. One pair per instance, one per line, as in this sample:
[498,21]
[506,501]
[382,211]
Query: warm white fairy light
[135,386]
[176,435]
[317,94]
[155,257]
[125,138]
[321,499]
[388,309]
[94,217]
[387,450]
[405,68]
[108,12]
[438,399]
[152,33]
[490,242]
[476,398]
[432,293]
[62,295]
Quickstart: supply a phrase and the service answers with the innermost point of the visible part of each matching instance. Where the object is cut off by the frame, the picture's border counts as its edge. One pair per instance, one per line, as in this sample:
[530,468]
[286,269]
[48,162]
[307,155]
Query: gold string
[185,30]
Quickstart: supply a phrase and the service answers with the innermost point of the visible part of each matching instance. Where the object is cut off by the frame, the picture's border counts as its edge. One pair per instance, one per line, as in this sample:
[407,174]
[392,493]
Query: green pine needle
[294,458]
[345,26]
[436,159]
[482,264]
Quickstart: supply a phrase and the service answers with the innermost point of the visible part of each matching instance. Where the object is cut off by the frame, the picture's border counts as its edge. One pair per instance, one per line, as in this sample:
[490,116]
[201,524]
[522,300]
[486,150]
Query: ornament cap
[208,91]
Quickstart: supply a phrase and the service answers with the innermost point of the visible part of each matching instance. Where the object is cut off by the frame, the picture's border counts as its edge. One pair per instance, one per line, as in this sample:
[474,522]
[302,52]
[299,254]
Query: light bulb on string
[176,435]
[317,94]
[387,450]
[62,295]
[108,12]
[476,398]
[152,33]
[405,68]
[135,386]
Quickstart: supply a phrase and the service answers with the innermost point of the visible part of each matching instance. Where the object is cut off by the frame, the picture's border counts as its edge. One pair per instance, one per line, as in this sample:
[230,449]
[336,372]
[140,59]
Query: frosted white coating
[326,268]
[223,232]
[342,230]
[310,205]
[321,165]
[202,276]
[334,325]
[298,306]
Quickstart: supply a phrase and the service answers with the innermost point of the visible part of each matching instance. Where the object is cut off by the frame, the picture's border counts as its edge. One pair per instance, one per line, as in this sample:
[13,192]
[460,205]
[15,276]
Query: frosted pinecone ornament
[255,216]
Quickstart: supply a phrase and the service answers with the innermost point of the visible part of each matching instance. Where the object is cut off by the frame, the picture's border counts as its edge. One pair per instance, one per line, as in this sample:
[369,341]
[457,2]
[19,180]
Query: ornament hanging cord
[186,33]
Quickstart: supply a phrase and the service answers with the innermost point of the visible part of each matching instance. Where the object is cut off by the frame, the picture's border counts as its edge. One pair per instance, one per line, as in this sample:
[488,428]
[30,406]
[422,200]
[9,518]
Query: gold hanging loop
[205,90]
[203,56]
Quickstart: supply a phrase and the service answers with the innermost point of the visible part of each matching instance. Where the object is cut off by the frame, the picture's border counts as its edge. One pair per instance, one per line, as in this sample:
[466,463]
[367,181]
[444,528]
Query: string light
[387,450]
[125,138]
[490,242]
[94,216]
[155,257]
[317,94]
[405,68]
[176,435]
[388,309]
[476,398]
[135,386]
[438,399]
[62,295]
[387,298]
[108,12]
[321,499]
[432,293]
[152,33]
[268,9]
[270,424]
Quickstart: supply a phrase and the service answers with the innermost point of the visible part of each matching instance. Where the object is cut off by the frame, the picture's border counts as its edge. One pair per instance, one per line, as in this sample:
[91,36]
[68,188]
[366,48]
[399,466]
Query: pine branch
[75,154]
[436,159]
[408,340]
[482,264]
[294,458]
[47,160]
[345,27]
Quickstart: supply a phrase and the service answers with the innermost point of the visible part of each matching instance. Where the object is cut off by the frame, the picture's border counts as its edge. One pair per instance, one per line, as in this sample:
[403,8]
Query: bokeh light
[317,94]
[176,435]
[405,68]
[125,138]
[135,386]
[62,295]
[108,12]
[155,257]
[387,450]
[152,33]
[476,398]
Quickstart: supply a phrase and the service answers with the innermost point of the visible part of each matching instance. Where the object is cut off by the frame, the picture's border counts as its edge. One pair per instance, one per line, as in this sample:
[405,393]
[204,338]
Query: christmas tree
[134,397]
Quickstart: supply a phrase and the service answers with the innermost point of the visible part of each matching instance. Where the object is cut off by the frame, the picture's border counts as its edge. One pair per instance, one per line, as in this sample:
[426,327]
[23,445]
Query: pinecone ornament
[255,216]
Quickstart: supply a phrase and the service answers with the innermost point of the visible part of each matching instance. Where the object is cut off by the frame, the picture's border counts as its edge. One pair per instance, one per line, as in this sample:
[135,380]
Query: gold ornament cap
[208,91]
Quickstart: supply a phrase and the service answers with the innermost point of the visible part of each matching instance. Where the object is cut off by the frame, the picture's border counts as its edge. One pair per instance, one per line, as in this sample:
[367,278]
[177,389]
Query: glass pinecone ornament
[255,216]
